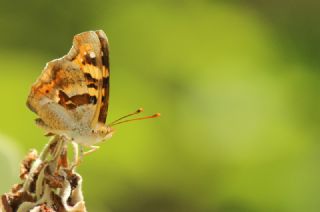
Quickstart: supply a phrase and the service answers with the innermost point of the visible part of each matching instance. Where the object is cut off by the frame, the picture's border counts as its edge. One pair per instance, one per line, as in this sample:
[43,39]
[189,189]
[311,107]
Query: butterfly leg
[92,149]
[79,153]
[77,157]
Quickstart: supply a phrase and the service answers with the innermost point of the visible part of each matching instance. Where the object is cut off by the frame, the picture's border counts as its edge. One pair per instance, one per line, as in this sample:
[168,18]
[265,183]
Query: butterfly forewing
[106,76]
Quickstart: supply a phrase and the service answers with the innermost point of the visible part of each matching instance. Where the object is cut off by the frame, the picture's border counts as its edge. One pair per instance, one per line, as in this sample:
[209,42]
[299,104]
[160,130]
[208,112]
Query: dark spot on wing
[105,83]
[93,99]
[92,85]
[90,78]
[70,106]
[83,99]
[90,60]
[63,98]
[105,101]
[76,100]
[105,56]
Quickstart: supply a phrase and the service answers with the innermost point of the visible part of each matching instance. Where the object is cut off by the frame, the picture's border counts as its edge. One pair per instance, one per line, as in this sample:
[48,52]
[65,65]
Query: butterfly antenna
[140,110]
[142,118]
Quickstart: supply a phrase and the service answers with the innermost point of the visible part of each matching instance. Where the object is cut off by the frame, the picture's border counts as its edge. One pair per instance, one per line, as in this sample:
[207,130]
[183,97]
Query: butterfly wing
[72,90]
[106,75]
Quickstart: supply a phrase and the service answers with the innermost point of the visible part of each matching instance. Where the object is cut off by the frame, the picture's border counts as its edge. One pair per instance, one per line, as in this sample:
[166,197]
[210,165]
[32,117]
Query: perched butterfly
[71,96]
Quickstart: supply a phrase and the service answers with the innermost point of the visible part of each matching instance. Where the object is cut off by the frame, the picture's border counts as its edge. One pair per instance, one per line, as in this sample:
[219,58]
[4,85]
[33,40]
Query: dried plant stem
[50,182]
[35,166]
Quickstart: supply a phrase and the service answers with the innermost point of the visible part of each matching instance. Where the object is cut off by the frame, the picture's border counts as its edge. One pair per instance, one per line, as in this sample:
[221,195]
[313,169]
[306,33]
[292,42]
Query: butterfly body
[72,93]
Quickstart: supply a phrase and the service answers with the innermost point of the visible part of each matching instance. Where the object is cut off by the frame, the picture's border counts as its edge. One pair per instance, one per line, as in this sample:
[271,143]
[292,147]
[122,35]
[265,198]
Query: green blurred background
[236,82]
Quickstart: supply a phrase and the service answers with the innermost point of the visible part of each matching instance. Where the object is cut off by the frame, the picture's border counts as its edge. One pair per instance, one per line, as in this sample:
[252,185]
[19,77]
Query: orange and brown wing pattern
[106,76]
[77,80]
[94,60]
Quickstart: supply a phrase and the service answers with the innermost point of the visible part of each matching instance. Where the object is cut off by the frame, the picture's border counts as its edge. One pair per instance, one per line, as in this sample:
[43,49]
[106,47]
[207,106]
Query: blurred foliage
[9,158]
[237,83]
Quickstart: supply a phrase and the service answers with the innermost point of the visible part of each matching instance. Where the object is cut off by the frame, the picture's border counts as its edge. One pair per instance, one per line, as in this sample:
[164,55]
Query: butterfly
[71,96]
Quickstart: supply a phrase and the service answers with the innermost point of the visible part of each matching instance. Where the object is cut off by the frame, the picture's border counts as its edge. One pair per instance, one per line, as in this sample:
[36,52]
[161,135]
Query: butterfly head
[102,132]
